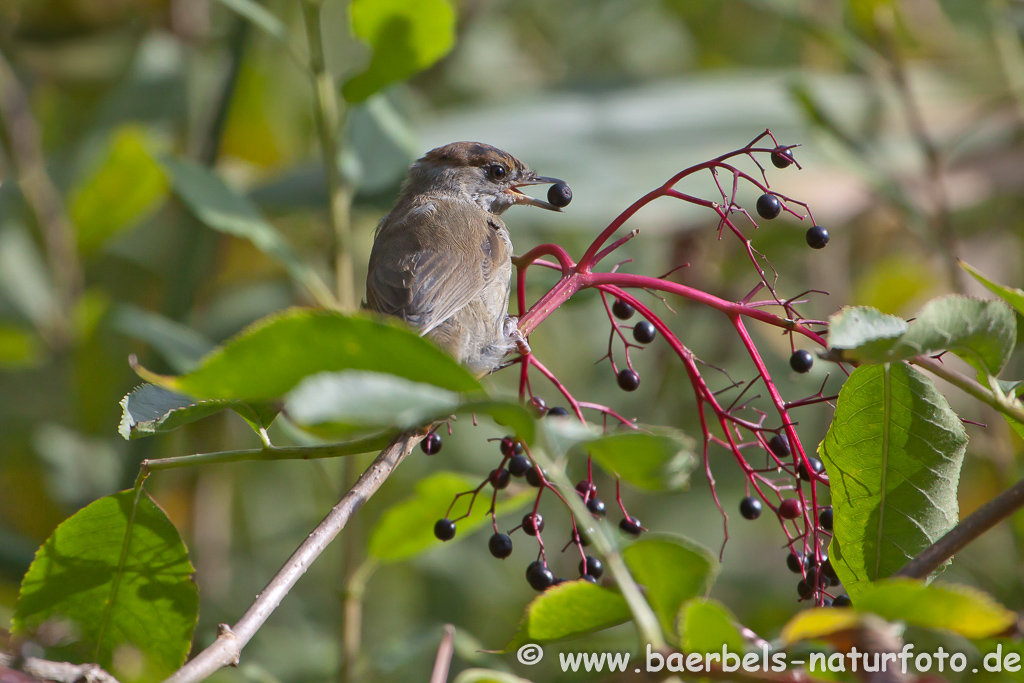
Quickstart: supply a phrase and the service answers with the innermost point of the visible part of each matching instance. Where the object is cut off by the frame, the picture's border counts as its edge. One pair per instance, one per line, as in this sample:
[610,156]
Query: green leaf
[571,609]
[150,409]
[223,209]
[1011,295]
[819,622]
[406,529]
[19,349]
[133,617]
[708,626]
[181,346]
[981,332]
[673,570]
[893,456]
[270,357]
[259,16]
[655,462]
[127,187]
[961,609]
[24,278]
[406,36]
[488,676]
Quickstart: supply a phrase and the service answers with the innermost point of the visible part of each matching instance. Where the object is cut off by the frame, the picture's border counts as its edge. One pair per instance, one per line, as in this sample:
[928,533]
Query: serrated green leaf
[571,609]
[659,461]
[708,626]
[673,570]
[406,37]
[893,455]
[143,609]
[270,357]
[150,409]
[859,330]
[406,529]
[127,187]
[1011,295]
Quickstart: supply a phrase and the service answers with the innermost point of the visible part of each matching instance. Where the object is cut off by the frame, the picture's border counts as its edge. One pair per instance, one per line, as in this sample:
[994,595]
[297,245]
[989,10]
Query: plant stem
[355,571]
[1005,405]
[329,120]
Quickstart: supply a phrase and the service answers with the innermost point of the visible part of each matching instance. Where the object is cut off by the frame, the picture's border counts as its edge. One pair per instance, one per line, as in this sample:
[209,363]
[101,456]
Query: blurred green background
[910,118]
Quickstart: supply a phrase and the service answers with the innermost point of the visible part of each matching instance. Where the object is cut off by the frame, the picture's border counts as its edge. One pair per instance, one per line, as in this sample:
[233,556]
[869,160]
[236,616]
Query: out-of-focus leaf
[273,355]
[659,461]
[150,409]
[259,16]
[1011,295]
[141,608]
[81,468]
[673,570]
[708,626]
[895,284]
[488,676]
[19,349]
[182,347]
[406,36]
[893,456]
[571,609]
[225,210]
[127,187]
[24,279]
[407,528]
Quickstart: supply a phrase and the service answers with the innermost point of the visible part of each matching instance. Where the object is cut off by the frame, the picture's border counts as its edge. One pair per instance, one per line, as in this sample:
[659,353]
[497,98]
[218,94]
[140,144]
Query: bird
[442,257]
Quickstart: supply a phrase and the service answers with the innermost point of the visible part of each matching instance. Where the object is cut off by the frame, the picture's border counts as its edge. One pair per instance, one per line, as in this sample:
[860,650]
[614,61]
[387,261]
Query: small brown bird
[442,258]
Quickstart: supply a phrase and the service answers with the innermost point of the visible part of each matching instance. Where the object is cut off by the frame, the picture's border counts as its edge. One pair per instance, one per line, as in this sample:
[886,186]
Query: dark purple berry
[431,444]
[539,576]
[560,195]
[791,508]
[507,446]
[540,407]
[828,570]
[519,465]
[768,206]
[593,567]
[825,519]
[533,524]
[585,487]
[596,507]
[499,478]
[801,360]
[644,332]
[533,477]
[804,588]
[796,562]
[622,310]
[826,602]
[842,601]
[588,578]
[779,445]
[444,529]
[750,508]
[817,237]
[631,526]
[500,546]
[628,379]
[816,466]
[782,158]
[558,411]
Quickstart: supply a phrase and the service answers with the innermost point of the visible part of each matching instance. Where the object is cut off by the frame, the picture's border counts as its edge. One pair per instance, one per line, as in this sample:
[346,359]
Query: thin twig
[443,661]
[63,672]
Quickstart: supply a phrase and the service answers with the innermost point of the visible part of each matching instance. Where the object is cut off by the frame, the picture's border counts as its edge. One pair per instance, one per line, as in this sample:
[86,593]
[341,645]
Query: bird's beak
[520,198]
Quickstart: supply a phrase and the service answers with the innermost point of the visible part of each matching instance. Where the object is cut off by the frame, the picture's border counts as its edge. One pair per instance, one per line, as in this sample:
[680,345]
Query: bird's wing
[431,262]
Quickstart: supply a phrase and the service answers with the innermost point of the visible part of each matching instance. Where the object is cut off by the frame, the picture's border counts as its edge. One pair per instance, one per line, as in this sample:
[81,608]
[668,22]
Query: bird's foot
[511,330]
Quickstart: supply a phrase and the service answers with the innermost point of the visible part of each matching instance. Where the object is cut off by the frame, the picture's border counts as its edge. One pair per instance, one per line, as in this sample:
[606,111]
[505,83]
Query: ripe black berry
[558,411]
[499,478]
[750,508]
[779,445]
[539,406]
[596,507]
[500,546]
[801,360]
[768,206]
[586,487]
[828,570]
[533,524]
[519,465]
[594,567]
[804,588]
[791,508]
[560,195]
[588,578]
[817,237]
[644,332]
[826,602]
[431,445]
[539,576]
[628,379]
[816,466]
[825,519]
[444,529]
[631,526]
[842,601]
[533,477]
[577,537]
[507,445]
[781,158]
[795,562]
[622,310]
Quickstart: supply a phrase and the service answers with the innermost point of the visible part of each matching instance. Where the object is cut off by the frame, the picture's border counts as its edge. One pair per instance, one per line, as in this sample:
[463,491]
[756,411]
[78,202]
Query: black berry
[804,588]
[628,379]
[750,508]
[842,601]
[817,237]
[594,567]
[431,445]
[533,477]
[558,411]
[586,488]
[801,360]
[828,570]
[579,538]
[560,195]
[779,445]
[539,406]
[622,310]
[644,332]
[826,602]
[444,529]
[539,576]
[825,519]
[519,465]
[631,526]
[781,158]
[500,546]
[533,524]
[596,507]
[768,206]
[796,562]
[499,478]
[507,445]
[816,466]
[791,508]
[588,578]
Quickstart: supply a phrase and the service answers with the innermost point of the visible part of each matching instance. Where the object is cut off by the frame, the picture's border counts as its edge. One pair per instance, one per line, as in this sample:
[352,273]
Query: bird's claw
[511,330]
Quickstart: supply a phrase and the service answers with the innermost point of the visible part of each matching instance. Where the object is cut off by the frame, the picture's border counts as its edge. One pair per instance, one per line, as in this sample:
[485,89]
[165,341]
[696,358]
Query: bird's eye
[497,172]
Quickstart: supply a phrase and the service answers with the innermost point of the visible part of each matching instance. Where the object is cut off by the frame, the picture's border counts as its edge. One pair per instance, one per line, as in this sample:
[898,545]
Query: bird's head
[484,174]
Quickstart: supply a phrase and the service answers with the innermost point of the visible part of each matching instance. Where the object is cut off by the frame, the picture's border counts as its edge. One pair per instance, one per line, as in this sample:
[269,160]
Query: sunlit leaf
[1011,295]
[818,623]
[571,609]
[708,626]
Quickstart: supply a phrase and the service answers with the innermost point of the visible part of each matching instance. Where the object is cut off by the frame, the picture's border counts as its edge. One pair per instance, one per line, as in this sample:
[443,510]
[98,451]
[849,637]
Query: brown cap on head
[472,154]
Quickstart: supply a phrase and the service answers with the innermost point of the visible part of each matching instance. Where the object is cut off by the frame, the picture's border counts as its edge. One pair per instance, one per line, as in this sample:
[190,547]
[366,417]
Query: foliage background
[613,97]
